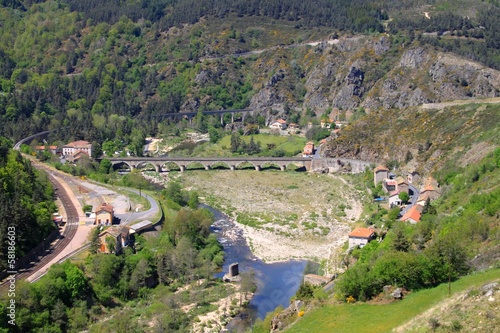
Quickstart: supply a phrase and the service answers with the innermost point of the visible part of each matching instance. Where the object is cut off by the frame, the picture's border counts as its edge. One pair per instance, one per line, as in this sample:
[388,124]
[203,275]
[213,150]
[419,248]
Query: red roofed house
[389,185]
[308,149]
[380,173]
[52,149]
[360,237]
[104,214]
[413,214]
[431,189]
[279,124]
[77,146]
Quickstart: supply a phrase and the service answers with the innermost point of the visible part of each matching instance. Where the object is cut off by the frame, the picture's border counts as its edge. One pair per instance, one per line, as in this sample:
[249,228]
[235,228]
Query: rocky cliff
[367,72]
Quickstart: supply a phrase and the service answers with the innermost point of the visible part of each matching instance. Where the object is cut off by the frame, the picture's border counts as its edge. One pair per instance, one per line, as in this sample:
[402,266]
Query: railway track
[63,240]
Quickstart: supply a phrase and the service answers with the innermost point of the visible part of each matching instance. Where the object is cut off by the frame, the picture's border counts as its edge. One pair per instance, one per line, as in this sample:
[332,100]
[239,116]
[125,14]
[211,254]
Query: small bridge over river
[161,163]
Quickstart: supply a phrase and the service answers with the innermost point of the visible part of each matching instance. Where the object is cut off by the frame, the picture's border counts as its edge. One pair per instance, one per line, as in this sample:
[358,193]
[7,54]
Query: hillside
[422,139]
[81,67]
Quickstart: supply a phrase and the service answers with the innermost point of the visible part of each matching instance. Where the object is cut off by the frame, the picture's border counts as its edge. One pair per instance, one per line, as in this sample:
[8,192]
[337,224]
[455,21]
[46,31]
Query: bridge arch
[145,164]
[121,164]
[220,165]
[245,165]
[170,165]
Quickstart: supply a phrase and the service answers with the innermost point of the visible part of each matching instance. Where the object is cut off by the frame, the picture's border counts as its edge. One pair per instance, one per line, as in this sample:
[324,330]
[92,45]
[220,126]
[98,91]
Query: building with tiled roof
[113,239]
[104,214]
[74,147]
[279,124]
[51,149]
[308,149]
[360,237]
[380,173]
[413,214]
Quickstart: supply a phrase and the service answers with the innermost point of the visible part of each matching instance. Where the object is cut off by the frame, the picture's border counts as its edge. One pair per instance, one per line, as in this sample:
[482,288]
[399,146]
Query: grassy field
[289,144]
[373,318]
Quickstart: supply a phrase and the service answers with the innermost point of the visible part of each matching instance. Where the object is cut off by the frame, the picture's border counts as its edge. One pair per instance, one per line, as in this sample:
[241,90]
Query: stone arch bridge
[160,163]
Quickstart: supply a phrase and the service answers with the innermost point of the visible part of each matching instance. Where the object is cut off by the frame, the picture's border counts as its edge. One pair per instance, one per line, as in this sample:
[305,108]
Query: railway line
[39,260]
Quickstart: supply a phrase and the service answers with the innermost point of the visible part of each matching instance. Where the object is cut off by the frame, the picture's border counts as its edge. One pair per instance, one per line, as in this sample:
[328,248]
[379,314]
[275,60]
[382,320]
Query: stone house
[379,174]
[360,237]
[402,185]
[412,177]
[104,214]
[114,239]
[389,185]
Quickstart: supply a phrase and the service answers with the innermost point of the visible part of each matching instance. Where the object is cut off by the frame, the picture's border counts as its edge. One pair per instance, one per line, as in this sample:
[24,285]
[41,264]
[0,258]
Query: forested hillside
[26,203]
[100,70]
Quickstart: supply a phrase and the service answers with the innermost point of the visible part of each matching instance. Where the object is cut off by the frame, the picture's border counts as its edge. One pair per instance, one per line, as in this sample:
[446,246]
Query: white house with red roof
[75,147]
[360,237]
[278,124]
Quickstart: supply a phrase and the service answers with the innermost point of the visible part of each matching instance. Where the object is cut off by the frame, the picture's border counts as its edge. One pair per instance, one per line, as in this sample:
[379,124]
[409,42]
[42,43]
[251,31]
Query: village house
[104,214]
[114,239]
[52,149]
[412,177]
[431,189]
[394,199]
[77,146]
[279,124]
[380,173]
[413,214]
[401,184]
[308,150]
[293,126]
[389,185]
[327,123]
[360,237]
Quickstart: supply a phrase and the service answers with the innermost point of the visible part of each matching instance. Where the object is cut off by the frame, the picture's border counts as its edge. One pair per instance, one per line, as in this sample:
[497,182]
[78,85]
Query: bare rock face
[382,45]
[413,58]
[352,90]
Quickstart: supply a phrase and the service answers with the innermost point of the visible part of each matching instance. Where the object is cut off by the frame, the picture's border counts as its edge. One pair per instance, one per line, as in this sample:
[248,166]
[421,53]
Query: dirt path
[439,106]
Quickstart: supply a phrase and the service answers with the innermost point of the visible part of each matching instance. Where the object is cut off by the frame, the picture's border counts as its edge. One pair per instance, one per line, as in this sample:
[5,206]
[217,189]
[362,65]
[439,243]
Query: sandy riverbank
[284,215]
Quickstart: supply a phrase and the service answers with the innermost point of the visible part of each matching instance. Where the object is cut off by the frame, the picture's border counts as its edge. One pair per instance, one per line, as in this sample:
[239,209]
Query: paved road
[416,194]
[150,214]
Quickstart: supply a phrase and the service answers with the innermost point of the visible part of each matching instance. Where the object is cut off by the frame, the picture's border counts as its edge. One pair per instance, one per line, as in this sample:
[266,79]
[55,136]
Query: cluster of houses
[72,151]
[395,185]
[113,238]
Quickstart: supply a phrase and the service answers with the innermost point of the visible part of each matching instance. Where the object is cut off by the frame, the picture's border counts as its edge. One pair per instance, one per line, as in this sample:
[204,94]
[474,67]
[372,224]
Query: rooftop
[362,233]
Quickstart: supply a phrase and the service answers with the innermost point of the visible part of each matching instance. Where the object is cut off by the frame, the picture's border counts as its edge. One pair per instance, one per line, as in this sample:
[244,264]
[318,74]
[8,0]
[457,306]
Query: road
[150,214]
[414,198]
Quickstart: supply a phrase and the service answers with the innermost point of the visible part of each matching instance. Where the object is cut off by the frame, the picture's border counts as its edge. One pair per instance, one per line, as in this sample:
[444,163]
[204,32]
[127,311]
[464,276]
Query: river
[276,282]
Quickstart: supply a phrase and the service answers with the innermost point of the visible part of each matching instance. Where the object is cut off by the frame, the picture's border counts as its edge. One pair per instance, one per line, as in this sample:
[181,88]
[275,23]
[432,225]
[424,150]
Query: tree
[235,142]
[194,200]
[213,134]
[405,197]
[95,241]
[105,166]
[247,283]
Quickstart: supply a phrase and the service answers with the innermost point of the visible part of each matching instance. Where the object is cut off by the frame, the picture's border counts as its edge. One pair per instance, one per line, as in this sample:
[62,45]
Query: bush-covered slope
[26,204]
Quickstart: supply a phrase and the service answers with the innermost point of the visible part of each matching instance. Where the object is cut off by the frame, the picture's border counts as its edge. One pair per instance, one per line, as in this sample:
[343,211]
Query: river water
[276,282]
